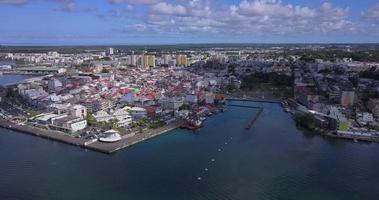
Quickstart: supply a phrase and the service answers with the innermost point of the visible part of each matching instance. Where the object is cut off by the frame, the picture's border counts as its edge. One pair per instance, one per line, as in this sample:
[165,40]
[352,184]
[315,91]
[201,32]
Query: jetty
[254,119]
[256,116]
[107,148]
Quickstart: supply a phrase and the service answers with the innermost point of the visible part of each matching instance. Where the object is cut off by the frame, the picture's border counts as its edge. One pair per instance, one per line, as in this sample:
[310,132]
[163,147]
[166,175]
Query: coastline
[106,148]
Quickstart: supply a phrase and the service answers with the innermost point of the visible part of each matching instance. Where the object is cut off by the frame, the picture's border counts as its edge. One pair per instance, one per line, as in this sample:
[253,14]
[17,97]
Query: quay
[107,148]
[363,138]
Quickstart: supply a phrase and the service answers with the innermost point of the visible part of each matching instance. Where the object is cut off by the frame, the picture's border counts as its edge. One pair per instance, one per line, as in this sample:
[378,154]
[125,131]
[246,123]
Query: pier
[252,122]
[107,148]
[256,116]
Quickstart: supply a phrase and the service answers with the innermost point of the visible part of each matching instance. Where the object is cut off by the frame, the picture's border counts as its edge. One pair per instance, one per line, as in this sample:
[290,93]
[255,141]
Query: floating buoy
[199,178]
[219,149]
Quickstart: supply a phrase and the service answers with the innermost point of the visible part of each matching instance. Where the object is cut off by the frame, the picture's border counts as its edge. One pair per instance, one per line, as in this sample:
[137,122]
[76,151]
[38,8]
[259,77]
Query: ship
[193,124]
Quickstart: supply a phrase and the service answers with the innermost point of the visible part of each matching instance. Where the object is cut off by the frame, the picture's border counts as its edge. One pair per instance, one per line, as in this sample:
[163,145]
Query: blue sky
[187,21]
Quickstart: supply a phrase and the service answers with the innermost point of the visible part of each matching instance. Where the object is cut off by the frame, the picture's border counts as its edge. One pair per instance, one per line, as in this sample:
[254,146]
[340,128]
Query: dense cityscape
[189,99]
[126,95]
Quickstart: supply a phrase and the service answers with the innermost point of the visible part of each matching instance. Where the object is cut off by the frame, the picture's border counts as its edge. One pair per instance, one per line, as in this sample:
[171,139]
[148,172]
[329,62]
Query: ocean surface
[273,160]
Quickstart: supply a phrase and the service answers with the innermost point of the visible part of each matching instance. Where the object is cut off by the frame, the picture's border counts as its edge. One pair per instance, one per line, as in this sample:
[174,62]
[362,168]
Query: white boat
[110,136]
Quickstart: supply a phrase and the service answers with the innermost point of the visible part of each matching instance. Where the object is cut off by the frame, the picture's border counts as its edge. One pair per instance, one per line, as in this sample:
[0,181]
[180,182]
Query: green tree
[91,120]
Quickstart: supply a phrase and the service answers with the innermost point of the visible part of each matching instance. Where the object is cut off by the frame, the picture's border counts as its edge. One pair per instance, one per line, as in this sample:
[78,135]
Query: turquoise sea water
[273,160]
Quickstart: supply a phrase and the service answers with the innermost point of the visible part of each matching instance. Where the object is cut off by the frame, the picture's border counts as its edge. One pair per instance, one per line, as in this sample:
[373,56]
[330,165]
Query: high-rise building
[132,60]
[181,60]
[149,61]
[111,51]
[166,59]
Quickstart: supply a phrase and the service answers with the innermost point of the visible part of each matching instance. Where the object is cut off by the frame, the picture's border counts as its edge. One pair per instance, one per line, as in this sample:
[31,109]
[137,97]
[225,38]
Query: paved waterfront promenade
[107,148]
[127,142]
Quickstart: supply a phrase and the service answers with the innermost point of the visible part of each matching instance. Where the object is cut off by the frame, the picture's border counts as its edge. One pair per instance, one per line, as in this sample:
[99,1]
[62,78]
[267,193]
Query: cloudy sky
[188,21]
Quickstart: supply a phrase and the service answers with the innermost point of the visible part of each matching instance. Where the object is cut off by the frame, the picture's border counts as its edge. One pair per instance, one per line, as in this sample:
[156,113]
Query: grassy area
[343,126]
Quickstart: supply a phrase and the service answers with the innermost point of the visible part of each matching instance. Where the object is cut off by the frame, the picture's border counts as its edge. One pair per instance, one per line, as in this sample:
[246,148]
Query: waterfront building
[138,112]
[70,123]
[123,116]
[102,116]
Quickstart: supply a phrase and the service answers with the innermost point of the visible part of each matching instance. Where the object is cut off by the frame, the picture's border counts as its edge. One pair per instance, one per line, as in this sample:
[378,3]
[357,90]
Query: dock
[107,148]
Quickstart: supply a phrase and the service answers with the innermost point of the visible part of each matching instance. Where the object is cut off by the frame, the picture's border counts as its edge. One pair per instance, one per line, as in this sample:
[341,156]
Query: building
[69,123]
[171,103]
[373,106]
[54,84]
[347,98]
[149,61]
[132,60]
[79,111]
[181,60]
[110,51]
[138,113]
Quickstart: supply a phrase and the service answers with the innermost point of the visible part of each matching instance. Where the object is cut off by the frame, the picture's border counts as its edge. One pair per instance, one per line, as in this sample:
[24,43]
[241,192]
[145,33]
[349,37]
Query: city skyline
[102,22]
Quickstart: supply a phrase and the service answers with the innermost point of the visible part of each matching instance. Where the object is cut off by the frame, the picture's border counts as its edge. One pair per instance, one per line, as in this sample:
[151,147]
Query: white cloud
[168,9]
[372,13]
[247,17]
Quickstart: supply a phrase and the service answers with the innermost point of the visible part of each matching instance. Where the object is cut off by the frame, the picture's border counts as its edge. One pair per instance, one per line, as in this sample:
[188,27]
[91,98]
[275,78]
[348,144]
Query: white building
[138,113]
[172,103]
[102,116]
[78,111]
[123,116]
[70,123]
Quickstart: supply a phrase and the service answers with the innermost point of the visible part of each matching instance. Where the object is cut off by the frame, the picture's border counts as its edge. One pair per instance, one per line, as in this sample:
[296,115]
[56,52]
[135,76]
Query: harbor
[107,148]
[179,157]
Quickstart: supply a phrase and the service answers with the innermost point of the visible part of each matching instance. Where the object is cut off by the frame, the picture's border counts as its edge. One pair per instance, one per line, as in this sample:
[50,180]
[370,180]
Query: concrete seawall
[106,148]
